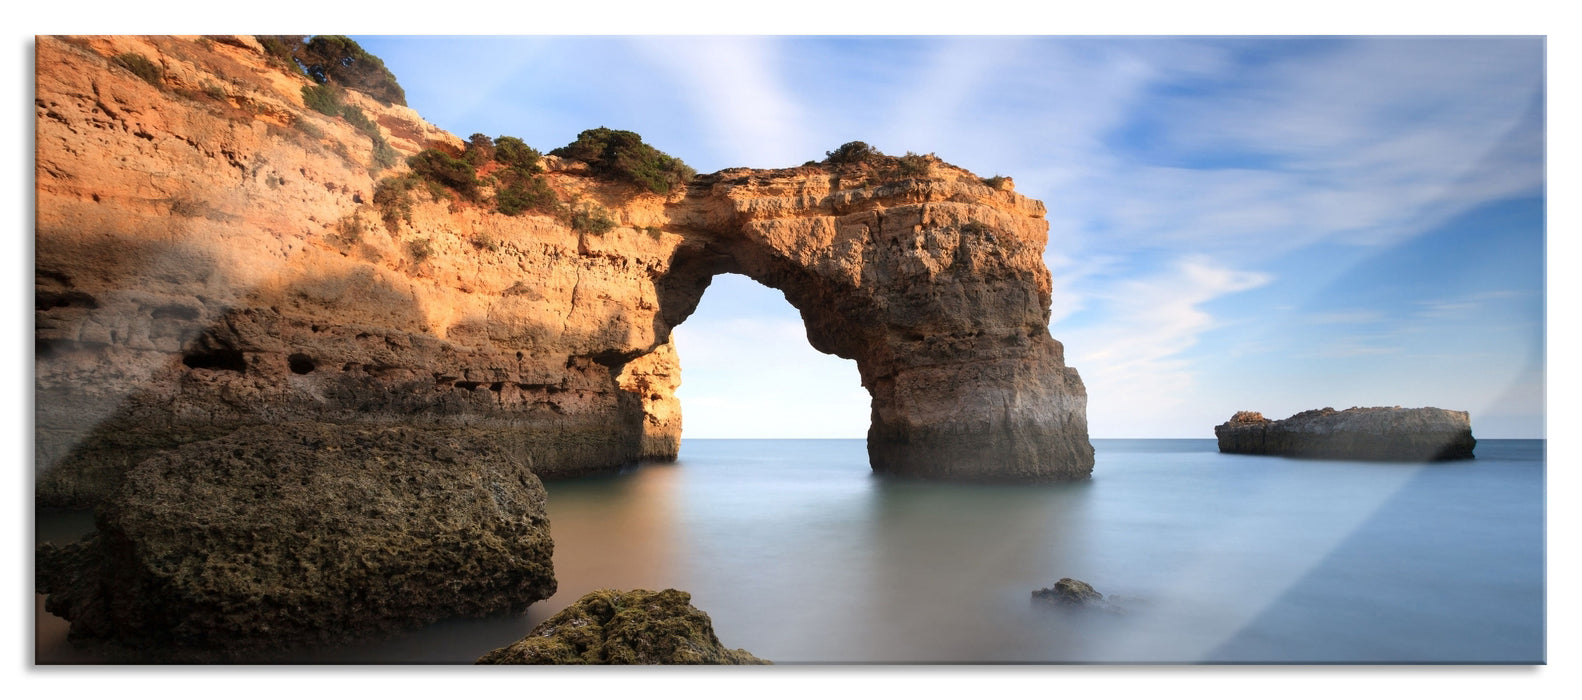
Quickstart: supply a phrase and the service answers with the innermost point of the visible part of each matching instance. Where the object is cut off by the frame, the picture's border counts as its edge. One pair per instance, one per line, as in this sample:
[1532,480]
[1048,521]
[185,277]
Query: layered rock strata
[209,257]
[211,265]
[302,534]
[623,628]
[1374,434]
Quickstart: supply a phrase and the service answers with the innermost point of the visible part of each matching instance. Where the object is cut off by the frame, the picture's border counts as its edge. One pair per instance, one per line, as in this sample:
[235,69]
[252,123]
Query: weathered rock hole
[469,386]
[44,301]
[300,363]
[178,311]
[226,360]
[497,387]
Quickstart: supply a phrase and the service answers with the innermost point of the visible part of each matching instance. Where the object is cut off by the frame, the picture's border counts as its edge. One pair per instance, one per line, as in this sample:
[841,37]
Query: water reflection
[799,554]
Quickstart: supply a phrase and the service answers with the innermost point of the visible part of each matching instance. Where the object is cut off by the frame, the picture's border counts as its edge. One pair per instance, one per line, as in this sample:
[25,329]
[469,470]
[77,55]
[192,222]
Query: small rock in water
[1069,591]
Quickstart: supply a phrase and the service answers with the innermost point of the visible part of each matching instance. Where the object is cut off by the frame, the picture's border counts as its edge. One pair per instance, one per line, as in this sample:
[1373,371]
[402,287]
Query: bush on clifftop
[338,59]
[332,59]
[624,156]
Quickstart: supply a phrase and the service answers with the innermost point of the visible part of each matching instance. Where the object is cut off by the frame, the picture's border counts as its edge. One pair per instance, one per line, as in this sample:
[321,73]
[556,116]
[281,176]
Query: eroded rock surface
[302,534]
[1376,434]
[209,257]
[624,627]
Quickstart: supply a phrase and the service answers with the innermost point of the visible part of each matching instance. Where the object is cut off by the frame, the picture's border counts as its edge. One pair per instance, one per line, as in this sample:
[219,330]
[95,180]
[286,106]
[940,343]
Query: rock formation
[1069,591]
[209,257]
[624,627]
[1374,434]
[302,534]
[219,252]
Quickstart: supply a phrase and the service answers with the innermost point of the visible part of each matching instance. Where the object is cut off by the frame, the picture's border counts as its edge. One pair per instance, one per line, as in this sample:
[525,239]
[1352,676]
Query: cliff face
[209,257]
[1374,434]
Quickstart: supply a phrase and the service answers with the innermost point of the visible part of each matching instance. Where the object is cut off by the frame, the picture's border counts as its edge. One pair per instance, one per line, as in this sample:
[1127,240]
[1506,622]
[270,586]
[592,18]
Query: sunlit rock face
[209,257]
[1392,434]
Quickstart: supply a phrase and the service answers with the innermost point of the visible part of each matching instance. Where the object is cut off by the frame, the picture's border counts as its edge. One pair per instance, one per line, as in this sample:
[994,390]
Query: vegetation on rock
[326,99]
[141,67]
[514,153]
[591,218]
[455,173]
[339,60]
[393,199]
[624,627]
[622,155]
[885,167]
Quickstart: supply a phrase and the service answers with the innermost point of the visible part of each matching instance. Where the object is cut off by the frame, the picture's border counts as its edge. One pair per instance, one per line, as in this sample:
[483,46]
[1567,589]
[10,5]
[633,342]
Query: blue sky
[1268,224]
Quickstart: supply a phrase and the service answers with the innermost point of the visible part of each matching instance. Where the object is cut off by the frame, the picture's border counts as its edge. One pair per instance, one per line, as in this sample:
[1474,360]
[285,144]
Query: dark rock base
[300,535]
[630,627]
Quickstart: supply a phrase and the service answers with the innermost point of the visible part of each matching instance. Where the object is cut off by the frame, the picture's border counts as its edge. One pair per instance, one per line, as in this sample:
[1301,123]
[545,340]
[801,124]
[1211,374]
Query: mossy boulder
[624,627]
[302,534]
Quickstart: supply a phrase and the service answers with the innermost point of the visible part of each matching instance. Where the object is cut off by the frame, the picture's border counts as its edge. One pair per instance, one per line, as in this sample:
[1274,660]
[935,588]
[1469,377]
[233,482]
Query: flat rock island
[1391,434]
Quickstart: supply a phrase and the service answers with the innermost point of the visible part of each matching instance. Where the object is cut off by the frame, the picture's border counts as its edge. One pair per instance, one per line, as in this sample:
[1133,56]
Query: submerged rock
[624,627]
[302,534]
[1069,591]
[1377,434]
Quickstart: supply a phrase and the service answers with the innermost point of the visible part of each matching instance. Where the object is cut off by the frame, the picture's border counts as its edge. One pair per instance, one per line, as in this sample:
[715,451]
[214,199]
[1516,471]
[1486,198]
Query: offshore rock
[1373,434]
[209,256]
[302,534]
[1069,591]
[630,627]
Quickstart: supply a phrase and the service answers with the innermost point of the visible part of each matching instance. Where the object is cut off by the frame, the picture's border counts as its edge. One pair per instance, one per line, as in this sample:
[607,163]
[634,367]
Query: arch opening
[749,371]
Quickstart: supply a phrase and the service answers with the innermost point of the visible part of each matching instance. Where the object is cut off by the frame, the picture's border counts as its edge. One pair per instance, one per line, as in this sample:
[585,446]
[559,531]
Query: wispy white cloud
[736,87]
[1345,317]
[1133,363]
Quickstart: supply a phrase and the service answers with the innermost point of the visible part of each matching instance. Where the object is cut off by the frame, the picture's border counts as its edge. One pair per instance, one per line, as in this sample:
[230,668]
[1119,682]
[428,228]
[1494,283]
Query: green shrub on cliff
[440,167]
[384,155]
[141,67]
[324,99]
[852,152]
[623,155]
[393,199]
[518,194]
[590,218]
[512,152]
[337,59]
[886,167]
[480,150]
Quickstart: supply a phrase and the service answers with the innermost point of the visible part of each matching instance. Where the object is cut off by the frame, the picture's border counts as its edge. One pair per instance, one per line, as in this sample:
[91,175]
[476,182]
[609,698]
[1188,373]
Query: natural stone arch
[935,287]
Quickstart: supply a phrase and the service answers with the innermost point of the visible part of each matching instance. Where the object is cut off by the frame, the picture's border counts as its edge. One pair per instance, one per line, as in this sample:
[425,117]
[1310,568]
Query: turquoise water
[801,555]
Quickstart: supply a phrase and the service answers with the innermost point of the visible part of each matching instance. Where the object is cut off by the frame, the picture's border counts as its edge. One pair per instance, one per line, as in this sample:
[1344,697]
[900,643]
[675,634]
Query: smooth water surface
[801,555]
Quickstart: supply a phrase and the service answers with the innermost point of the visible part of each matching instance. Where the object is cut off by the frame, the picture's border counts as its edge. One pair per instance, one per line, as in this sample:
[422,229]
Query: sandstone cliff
[209,257]
[1374,434]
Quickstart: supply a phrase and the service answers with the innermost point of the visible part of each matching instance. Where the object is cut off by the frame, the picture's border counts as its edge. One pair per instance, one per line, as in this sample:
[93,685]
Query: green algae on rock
[302,534]
[624,627]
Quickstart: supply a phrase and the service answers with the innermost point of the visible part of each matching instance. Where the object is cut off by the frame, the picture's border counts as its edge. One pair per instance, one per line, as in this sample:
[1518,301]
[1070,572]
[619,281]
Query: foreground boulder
[630,627]
[302,534]
[1373,434]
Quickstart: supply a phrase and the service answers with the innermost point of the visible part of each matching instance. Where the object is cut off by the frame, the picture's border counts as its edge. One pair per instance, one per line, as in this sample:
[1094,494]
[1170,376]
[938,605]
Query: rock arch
[935,286]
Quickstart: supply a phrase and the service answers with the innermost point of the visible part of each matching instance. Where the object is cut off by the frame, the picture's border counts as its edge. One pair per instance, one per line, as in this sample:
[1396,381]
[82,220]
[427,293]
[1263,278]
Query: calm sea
[801,555]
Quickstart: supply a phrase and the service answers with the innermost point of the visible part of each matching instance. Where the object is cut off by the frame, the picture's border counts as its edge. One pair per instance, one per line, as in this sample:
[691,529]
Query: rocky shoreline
[1386,434]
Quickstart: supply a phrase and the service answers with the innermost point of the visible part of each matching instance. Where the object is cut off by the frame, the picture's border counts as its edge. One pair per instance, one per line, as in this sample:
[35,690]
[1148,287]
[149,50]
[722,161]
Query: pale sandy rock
[210,259]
